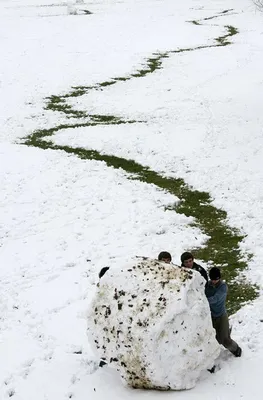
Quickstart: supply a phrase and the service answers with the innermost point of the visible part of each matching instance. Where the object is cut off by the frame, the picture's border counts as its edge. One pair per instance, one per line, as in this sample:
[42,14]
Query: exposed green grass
[153,63]
[222,247]
[199,21]
[223,40]
[226,11]
[58,103]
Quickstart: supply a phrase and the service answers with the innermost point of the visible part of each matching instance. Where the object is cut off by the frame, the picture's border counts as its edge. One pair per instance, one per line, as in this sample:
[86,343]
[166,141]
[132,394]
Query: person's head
[187,260]
[215,275]
[165,256]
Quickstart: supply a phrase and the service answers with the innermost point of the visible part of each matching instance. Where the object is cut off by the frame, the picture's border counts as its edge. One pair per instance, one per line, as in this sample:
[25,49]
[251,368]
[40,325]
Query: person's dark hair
[214,274]
[164,254]
[103,271]
[186,256]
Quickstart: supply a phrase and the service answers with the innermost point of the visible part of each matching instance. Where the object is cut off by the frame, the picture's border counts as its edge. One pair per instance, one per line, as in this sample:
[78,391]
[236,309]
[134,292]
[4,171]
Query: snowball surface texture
[151,321]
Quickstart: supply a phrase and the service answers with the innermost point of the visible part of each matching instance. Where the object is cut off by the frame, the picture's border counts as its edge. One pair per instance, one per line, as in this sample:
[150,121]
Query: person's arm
[103,271]
[219,296]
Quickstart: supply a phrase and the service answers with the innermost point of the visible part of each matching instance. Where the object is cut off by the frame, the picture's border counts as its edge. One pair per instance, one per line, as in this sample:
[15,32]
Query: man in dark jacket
[187,260]
[165,256]
[216,292]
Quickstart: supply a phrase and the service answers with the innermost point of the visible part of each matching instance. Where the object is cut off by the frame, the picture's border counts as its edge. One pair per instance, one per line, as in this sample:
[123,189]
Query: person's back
[216,295]
[216,292]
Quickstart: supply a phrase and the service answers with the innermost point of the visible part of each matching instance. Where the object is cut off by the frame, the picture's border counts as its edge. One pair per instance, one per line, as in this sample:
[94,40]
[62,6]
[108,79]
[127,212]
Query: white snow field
[63,218]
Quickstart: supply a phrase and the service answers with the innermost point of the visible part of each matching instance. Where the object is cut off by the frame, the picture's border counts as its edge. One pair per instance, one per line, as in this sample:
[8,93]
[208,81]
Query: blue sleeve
[220,295]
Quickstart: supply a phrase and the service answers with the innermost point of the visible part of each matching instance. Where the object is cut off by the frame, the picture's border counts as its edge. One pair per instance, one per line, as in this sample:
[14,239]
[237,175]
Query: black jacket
[200,269]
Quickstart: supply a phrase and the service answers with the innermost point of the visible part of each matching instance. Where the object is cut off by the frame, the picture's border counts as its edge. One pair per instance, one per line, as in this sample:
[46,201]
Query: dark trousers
[221,325]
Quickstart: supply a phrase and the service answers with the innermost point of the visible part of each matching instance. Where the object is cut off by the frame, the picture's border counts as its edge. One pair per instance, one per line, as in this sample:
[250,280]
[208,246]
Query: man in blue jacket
[216,292]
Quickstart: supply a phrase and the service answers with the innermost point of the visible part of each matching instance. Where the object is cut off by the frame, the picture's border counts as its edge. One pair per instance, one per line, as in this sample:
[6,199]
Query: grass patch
[223,40]
[58,103]
[222,247]
[199,21]
[152,64]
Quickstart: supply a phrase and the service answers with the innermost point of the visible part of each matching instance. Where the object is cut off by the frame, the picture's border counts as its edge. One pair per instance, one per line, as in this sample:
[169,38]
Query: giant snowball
[151,321]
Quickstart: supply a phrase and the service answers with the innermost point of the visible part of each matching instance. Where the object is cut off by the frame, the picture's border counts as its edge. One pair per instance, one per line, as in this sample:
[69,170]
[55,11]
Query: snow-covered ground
[62,218]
